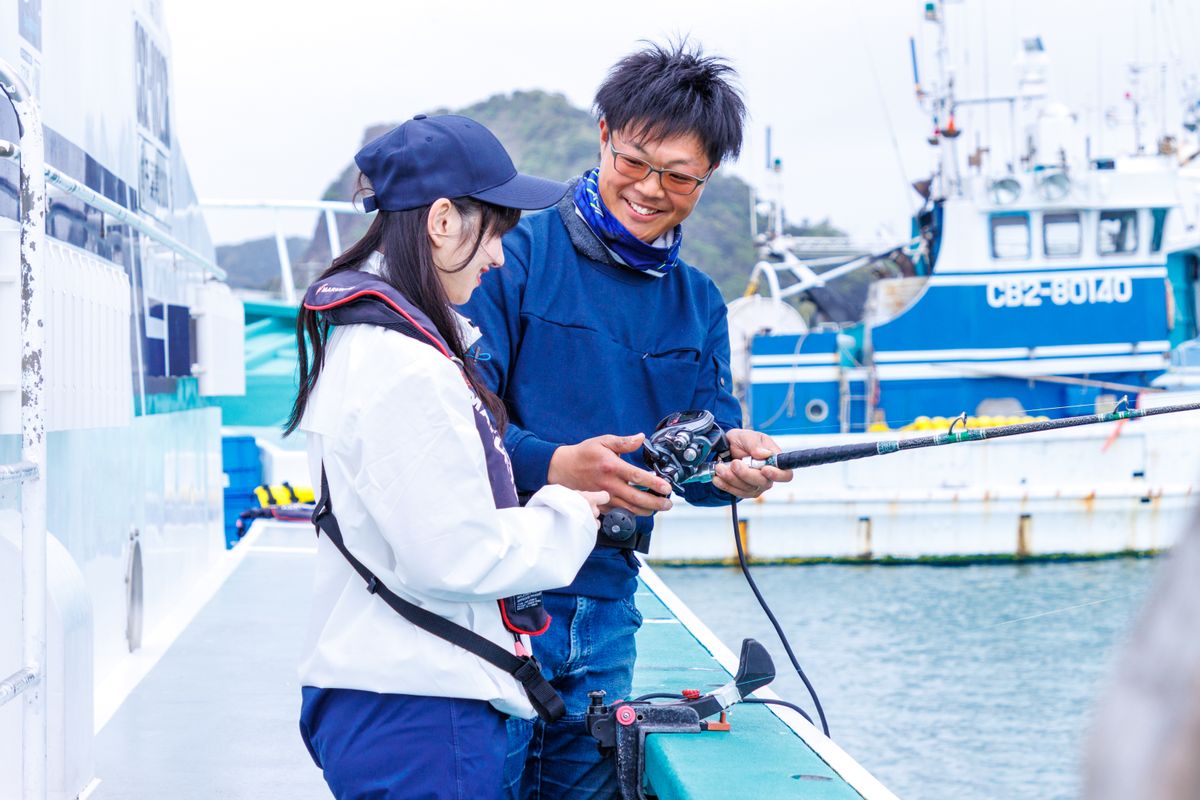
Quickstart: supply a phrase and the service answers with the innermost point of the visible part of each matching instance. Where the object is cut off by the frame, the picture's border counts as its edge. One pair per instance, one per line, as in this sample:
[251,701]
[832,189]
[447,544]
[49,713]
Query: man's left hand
[741,480]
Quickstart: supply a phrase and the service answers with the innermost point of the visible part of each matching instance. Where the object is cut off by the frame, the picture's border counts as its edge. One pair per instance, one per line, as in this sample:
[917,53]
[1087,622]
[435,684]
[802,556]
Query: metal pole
[16,683]
[98,201]
[335,239]
[287,283]
[33,434]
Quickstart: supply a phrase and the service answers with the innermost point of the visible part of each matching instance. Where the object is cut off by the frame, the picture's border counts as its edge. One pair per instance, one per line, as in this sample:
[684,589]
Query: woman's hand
[595,500]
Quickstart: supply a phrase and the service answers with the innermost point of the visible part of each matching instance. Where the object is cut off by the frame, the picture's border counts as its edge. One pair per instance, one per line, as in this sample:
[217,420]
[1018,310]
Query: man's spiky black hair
[674,90]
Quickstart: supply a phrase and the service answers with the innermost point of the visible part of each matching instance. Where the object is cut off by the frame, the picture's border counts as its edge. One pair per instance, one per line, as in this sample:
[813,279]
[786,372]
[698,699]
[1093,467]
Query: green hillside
[548,136]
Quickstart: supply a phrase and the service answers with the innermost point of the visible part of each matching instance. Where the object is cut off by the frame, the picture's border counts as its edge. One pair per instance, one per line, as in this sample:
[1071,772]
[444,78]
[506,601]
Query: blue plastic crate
[243,480]
[240,460]
[235,503]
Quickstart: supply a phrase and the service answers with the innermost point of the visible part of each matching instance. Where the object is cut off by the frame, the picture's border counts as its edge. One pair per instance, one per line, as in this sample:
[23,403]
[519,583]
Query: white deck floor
[216,718]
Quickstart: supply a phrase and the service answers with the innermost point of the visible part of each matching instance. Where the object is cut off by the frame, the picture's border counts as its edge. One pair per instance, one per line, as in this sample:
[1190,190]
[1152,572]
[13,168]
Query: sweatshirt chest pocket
[569,383]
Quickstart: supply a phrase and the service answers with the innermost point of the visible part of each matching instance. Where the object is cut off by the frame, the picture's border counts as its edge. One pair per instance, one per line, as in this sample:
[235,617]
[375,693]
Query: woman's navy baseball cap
[447,156]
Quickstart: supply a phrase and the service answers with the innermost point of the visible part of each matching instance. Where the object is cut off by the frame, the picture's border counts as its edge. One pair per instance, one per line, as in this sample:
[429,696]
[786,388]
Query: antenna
[912,49]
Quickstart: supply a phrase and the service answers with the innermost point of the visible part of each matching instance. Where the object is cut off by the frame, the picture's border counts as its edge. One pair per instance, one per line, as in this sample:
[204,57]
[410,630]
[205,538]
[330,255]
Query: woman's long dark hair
[409,268]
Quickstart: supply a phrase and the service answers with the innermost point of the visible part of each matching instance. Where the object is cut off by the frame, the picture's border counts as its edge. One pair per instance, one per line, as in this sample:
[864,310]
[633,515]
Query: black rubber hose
[737,538]
[765,702]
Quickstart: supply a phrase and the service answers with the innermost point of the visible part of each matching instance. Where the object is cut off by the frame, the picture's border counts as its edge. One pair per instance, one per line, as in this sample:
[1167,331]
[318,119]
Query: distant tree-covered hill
[548,136]
[255,264]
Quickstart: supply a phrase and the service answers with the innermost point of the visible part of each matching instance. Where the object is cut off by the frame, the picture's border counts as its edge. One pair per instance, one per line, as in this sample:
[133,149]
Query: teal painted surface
[760,757]
[271,376]
[185,398]
[1181,275]
[852,356]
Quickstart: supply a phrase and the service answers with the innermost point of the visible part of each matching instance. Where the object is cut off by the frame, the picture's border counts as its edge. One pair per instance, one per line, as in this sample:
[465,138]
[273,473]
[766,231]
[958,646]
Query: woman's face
[453,240]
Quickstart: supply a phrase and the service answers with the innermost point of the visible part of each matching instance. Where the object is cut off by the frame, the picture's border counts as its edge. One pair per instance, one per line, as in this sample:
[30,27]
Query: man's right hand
[595,465]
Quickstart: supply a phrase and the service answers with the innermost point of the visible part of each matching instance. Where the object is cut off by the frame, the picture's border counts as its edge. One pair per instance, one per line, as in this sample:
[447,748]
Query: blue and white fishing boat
[1041,279]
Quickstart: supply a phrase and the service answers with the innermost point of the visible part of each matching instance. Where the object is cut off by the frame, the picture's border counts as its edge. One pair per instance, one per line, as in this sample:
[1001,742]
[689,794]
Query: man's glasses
[670,180]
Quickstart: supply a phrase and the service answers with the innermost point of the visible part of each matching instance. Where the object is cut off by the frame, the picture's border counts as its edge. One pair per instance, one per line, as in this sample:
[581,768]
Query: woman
[418,499]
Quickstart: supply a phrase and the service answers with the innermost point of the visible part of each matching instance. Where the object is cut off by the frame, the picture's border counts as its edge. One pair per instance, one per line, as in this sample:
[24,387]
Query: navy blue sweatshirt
[579,345]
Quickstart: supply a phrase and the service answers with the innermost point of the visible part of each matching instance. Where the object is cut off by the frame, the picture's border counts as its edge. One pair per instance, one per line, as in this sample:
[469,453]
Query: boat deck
[216,717]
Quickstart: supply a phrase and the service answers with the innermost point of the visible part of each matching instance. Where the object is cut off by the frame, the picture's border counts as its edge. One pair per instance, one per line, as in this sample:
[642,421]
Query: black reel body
[682,443]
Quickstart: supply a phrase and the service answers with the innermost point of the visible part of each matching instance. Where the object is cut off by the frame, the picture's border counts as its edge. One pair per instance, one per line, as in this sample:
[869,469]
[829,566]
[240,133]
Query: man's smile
[640,210]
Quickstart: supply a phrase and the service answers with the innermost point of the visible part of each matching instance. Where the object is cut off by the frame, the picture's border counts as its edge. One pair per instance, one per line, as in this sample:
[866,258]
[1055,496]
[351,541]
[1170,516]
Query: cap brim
[524,192]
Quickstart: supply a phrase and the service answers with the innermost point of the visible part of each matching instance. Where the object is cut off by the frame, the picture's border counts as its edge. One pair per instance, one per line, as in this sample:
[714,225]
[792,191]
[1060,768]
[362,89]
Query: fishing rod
[687,446]
[815,456]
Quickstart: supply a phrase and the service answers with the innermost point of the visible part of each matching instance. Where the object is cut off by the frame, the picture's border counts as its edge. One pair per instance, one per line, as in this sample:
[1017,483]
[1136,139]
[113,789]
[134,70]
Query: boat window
[1062,233]
[153,99]
[1117,232]
[1159,216]
[1010,236]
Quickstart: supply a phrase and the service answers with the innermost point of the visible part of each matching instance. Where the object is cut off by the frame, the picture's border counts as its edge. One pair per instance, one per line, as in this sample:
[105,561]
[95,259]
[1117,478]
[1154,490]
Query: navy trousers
[404,747]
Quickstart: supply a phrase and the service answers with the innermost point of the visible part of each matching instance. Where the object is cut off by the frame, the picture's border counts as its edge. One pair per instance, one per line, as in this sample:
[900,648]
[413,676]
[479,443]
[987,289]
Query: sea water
[968,682]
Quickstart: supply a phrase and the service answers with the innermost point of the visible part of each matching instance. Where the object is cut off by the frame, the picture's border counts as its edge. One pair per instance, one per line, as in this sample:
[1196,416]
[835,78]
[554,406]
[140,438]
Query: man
[594,330]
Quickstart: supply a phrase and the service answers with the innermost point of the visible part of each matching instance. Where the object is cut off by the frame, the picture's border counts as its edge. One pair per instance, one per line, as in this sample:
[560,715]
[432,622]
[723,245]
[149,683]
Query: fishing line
[887,117]
[1058,611]
[789,399]
[1072,407]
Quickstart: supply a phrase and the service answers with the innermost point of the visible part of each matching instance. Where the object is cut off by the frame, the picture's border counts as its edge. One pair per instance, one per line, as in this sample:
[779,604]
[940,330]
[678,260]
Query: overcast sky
[272,96]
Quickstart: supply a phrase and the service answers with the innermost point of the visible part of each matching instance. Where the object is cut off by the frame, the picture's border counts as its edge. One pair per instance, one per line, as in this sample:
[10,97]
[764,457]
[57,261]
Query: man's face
[643,206]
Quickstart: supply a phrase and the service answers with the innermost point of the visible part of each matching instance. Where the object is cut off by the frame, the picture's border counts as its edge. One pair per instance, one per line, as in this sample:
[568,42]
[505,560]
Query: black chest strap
[526,669]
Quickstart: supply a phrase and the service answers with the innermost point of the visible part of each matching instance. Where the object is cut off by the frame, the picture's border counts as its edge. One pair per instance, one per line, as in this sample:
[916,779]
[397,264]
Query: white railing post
[329,210]
[30,681]
[287,282]
[331,229]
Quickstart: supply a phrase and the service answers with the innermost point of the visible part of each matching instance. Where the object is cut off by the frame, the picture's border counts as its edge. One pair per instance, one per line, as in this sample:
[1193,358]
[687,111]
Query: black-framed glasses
[671,180]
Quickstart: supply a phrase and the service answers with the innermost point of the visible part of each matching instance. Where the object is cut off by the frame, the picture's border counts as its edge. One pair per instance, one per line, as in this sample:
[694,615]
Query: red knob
[626,715]
[691,694]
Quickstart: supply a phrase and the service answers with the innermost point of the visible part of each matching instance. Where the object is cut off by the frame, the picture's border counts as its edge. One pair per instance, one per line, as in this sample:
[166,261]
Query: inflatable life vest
[353,297]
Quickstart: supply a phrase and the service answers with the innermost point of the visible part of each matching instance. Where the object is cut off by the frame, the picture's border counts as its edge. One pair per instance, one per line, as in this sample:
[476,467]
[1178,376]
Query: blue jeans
[404,747]
[589,646]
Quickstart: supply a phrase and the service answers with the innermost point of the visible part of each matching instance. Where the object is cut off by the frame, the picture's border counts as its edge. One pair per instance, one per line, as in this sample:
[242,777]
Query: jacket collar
[468,334]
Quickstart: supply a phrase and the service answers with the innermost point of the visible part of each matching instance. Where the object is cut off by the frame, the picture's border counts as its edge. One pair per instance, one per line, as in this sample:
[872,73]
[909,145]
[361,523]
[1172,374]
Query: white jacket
[392,420]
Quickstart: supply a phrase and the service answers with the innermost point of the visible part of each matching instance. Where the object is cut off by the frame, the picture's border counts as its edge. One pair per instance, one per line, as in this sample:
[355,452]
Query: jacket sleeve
[495,308]
[714,393]
[407,445]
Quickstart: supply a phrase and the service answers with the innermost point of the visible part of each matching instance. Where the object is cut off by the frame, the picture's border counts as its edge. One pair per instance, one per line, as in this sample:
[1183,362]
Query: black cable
[737,538]
[657,696]
[784,703]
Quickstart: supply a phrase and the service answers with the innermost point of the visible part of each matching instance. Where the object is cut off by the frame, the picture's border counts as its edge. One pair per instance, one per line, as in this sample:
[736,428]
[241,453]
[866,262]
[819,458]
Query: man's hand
[595,465]
[744,481]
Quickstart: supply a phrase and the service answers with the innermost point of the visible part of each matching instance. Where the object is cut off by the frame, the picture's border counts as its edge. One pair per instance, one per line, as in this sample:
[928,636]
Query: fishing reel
[682,444]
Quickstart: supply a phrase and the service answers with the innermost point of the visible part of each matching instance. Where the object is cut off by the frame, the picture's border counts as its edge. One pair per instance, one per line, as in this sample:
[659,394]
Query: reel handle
[618,524]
